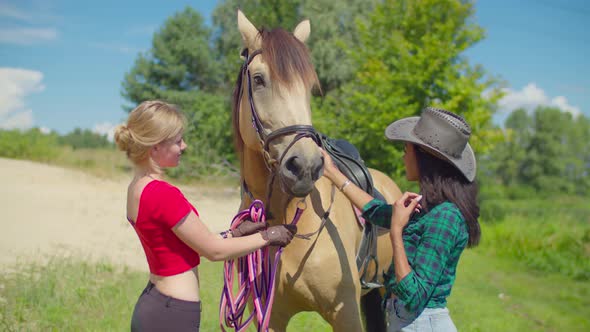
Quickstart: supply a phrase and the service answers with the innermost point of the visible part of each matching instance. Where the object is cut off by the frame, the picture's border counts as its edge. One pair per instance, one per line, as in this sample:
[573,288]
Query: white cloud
[27,36]
[105,128]
[18,120]
[45,130]
[15,85]
[532,96]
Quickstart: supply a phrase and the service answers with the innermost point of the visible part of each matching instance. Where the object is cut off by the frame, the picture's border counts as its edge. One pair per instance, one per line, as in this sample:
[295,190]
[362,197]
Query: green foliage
[490,294]
[409,57]
[543,153]
[84,138]
[209,138]
[180,60]
[31,144]
[333,31]
[91,153]
[551,236]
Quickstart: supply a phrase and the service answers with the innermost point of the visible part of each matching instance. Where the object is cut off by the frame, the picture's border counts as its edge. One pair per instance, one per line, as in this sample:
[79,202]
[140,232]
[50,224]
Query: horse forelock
[287,59]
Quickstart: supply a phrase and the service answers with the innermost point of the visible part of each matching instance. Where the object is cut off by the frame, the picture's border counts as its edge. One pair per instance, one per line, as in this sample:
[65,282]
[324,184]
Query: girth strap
[348,160]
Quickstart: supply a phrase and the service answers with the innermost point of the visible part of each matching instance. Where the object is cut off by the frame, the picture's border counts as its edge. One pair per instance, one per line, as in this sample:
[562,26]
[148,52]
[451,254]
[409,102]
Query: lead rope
[256,279]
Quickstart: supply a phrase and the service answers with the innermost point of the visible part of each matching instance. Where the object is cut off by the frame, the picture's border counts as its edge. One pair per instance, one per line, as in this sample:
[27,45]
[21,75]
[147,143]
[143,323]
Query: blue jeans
[430,319]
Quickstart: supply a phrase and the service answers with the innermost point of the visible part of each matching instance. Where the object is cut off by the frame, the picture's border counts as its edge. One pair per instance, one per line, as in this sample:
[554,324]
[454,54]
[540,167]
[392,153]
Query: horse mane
[288,60]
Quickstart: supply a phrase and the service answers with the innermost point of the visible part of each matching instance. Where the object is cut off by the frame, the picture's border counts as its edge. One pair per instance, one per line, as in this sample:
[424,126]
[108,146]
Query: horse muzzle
[299,173]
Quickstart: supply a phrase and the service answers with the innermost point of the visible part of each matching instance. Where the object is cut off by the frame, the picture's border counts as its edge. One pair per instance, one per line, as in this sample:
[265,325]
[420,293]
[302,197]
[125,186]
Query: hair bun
[123,137]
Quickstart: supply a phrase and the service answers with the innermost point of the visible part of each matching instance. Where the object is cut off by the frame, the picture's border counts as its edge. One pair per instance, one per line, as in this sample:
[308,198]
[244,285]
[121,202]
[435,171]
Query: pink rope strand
[256,280]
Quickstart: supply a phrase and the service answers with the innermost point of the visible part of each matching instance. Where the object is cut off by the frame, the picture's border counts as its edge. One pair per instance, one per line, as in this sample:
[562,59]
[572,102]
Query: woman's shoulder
[446,212]
[162,188]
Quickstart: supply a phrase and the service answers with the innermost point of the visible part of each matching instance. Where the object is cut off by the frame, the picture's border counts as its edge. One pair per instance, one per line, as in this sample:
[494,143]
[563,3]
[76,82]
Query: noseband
[300,131]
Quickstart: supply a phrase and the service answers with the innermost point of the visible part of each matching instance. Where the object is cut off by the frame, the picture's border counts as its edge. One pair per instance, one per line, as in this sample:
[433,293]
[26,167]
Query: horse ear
[302,31]
[247,30]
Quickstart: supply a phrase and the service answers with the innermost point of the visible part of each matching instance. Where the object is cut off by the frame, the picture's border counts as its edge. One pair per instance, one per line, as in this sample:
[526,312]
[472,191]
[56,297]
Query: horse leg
[373,312]
[280,317]
[346,318]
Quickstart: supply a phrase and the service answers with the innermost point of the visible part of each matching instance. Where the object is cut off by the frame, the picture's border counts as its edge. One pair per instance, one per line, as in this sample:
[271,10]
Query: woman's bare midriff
[183,286]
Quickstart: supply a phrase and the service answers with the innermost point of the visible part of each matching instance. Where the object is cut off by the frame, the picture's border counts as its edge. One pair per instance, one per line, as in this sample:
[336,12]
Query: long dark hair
[440,181]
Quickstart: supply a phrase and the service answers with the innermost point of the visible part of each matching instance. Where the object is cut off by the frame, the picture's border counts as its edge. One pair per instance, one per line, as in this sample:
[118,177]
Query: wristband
[225,234]
[346,183]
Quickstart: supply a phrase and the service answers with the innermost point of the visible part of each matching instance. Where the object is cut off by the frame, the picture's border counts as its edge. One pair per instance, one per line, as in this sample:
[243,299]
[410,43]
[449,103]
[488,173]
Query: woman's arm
[212,246]
[356,195]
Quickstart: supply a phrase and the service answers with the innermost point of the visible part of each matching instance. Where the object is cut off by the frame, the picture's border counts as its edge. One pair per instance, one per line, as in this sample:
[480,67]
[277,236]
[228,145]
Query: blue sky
[62,62]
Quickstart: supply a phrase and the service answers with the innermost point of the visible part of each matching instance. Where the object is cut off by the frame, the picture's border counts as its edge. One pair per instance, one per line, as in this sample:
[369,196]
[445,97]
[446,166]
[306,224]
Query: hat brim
[402,130]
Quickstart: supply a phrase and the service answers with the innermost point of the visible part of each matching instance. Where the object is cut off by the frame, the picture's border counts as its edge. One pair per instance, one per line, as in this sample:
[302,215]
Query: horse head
[272,111]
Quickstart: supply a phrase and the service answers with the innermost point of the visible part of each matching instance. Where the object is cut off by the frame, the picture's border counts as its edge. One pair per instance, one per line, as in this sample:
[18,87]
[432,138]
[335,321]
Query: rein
[256,279]
[255,273]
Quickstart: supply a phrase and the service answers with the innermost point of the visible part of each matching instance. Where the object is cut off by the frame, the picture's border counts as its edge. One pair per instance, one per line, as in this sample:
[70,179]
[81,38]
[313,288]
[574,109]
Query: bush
[547,235]
[31,144]
[493,210]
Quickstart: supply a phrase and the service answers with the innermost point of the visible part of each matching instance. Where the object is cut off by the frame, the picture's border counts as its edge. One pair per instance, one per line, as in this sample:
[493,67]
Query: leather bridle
[300,131]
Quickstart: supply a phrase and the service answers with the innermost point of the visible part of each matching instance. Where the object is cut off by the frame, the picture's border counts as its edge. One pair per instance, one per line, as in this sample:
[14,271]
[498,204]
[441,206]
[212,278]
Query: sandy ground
[47,211]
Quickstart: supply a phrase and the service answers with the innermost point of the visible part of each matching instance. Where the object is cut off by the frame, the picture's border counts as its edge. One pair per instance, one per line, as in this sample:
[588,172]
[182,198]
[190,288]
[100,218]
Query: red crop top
[161,207]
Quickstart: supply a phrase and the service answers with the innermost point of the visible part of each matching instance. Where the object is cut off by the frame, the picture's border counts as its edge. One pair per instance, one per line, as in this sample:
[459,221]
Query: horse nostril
[317,171]
[293,165]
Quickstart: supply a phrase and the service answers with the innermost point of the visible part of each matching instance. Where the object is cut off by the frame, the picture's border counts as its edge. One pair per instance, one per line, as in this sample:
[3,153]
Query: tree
[333,31]
[546,152]
[84,138]
[410,56]
[180,60]
[183,69]
[509,156]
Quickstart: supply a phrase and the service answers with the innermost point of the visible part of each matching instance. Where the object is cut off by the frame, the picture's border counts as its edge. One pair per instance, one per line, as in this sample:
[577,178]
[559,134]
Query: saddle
[348,159]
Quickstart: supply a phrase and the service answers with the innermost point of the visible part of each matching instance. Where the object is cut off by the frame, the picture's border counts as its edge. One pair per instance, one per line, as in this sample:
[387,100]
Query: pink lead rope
[256,279]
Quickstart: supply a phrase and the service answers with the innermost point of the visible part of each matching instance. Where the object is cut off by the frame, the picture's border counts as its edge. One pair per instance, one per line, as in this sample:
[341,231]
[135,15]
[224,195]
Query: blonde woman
[168,225]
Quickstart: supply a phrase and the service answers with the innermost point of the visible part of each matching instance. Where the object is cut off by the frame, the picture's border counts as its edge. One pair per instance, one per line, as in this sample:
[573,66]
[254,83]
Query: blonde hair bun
[123,137]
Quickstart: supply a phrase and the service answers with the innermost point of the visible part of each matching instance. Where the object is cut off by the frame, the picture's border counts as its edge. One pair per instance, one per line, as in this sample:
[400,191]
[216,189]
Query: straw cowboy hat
[442,132]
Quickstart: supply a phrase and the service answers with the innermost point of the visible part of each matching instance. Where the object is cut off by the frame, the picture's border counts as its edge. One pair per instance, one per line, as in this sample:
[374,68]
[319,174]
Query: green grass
[102,162]
[74,295]
[497,294]
[545,235]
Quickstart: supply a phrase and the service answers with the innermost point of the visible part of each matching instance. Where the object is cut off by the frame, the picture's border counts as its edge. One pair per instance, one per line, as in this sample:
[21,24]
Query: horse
[281,164]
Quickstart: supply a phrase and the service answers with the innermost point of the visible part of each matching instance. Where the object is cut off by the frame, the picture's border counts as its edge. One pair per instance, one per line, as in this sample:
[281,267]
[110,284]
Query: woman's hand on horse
[330,168]
[248,227]
[403,208]
[279,235]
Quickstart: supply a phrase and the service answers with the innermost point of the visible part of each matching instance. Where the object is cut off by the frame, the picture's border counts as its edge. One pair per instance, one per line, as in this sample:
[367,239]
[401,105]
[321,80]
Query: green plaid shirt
[434,242]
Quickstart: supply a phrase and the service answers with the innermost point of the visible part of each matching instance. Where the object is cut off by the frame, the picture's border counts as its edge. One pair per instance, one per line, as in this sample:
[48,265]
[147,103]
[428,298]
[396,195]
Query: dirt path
[47,210]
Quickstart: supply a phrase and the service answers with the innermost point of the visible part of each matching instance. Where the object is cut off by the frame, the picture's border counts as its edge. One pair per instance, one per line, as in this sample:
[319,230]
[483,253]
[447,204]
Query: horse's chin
[299,188]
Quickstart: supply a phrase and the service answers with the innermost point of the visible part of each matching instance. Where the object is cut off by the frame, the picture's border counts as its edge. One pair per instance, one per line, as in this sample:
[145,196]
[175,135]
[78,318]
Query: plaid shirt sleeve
[378,213]
[432,254]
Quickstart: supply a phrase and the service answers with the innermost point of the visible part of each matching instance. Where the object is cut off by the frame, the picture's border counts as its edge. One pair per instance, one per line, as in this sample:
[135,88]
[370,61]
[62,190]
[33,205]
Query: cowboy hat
[439,131]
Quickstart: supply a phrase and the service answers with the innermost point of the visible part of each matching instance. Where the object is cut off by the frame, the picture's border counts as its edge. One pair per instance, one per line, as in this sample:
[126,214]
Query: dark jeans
[155,311]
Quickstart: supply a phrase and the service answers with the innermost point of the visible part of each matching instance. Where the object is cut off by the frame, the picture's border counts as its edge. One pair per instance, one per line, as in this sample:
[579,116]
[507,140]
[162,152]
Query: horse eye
[258,80]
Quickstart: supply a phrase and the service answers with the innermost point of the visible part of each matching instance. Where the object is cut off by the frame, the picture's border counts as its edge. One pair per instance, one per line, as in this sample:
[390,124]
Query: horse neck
[257,176]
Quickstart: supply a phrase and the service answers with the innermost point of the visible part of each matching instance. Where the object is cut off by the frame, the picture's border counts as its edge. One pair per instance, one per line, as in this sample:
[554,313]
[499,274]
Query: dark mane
[288,60]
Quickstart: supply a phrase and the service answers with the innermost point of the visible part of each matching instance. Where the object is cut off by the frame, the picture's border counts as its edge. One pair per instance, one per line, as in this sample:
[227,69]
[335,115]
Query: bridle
[257,276]
[300,131]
